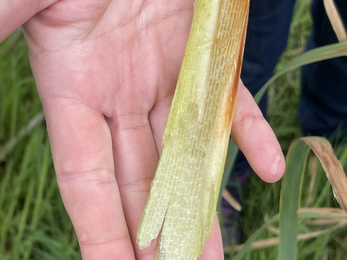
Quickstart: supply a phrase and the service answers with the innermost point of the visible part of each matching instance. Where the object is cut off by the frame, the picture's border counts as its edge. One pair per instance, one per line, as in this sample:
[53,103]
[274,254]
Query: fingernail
[274,165]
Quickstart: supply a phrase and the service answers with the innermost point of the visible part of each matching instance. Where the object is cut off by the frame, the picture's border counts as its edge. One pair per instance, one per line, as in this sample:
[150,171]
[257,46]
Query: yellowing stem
[184,193]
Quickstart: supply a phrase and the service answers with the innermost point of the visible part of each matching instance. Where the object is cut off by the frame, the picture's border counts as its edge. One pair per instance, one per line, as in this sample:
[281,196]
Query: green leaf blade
[290,197]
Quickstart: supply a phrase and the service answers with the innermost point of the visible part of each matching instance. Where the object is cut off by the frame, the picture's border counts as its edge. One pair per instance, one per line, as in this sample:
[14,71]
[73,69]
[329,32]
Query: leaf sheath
[184,193]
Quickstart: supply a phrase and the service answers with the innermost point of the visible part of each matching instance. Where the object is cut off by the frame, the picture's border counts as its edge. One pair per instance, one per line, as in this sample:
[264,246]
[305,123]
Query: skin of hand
[106,71]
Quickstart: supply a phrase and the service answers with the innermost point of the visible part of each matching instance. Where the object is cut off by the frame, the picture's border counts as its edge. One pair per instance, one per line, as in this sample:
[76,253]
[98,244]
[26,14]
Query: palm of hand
[111,50]
[106,73]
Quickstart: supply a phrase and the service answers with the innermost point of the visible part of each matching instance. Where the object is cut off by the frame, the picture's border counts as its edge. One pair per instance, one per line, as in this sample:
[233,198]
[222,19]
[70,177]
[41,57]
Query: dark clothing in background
[323,100]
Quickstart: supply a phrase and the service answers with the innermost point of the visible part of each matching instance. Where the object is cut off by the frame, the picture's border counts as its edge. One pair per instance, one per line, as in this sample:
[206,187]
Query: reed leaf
[291,187]
[318,54]
[182,202]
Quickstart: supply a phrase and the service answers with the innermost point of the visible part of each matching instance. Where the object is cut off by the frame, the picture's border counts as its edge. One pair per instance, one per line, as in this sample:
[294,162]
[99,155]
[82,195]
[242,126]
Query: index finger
[255,138]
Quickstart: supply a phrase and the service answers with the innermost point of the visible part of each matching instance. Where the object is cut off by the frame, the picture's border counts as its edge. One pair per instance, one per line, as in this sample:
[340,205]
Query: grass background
[33,221]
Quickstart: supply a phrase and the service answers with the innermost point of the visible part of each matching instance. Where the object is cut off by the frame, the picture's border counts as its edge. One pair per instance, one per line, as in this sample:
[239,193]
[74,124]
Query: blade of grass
[24,216]
[318,54]
[37,212]
[229,164]
[300,237]
[4,187]
[303,213]
[9,145]
[232,201]
[332,167]
[335,20]
[247,246]
[16,188]
[323,194]
[313,173]
[290,197]
[291,187]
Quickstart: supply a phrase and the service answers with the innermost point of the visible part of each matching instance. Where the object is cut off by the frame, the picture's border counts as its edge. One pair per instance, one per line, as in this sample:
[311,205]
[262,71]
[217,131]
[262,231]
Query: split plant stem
[182,202]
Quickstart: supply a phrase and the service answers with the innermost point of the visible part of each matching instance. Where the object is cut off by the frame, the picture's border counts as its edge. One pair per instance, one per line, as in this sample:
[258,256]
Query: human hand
[106,73]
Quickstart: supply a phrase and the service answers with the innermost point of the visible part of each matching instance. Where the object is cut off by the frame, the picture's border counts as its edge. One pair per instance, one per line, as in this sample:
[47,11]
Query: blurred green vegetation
[33,220]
